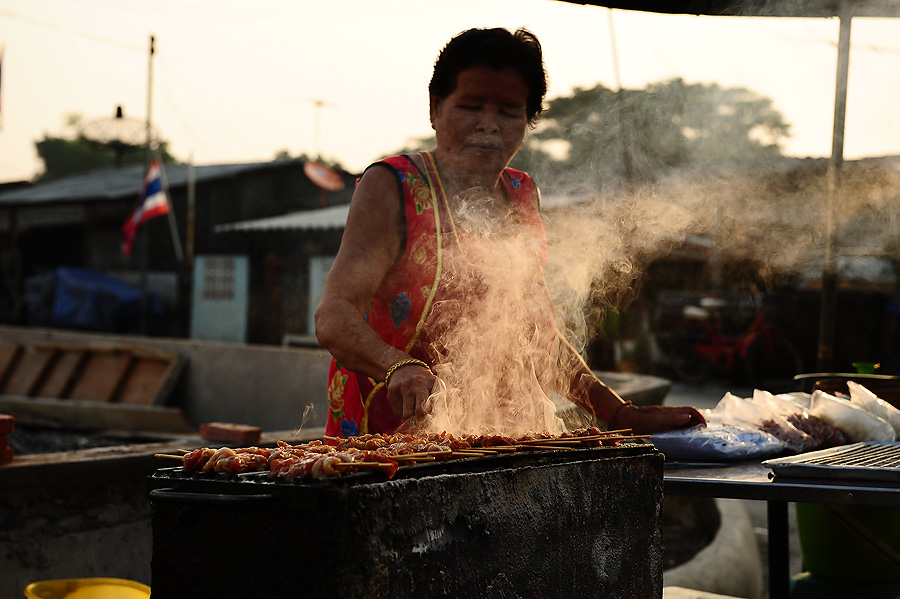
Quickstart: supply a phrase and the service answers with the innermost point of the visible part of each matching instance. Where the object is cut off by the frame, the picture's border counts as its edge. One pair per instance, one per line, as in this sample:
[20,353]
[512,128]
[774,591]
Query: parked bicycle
[699,347]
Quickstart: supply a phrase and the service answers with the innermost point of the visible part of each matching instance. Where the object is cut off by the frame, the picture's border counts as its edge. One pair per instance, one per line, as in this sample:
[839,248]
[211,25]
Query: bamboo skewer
[565,441]
[363,465]
[495,448]
[412,458]
[169,456]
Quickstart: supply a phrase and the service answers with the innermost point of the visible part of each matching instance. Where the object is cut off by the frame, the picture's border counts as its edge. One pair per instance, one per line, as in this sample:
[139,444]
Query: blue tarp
[90,300]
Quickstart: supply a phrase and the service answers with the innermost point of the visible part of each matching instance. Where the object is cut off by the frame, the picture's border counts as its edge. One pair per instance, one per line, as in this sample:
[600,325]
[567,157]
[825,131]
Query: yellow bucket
[87,588]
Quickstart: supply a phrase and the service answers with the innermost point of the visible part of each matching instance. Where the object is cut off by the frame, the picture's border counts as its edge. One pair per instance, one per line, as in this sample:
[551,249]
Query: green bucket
[831,551]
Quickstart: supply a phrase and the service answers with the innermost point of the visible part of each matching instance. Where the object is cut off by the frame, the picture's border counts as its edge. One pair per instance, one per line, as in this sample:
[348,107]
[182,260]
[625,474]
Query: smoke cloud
[499,361]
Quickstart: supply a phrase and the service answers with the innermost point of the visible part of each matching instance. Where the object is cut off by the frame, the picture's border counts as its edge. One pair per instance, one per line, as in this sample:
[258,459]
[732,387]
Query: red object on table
[7,424]
[240,434]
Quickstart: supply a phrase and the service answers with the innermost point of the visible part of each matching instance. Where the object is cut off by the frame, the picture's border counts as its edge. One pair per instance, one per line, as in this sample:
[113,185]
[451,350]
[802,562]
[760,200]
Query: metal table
[752,480]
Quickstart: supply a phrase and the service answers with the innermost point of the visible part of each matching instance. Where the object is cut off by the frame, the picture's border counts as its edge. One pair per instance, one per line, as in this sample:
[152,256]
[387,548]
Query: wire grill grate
[867,461]
[862,456]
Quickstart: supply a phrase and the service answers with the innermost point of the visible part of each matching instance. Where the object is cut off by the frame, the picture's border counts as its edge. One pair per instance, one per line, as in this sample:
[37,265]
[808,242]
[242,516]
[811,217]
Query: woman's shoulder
[398,161]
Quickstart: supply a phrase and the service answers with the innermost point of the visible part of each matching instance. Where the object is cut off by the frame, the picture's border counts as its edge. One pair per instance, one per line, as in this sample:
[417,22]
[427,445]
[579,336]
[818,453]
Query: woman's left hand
[644,420]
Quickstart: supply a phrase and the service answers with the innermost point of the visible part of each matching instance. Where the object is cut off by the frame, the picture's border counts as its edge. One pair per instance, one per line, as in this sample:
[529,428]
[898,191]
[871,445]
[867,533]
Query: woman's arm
[592,394]
[371,244]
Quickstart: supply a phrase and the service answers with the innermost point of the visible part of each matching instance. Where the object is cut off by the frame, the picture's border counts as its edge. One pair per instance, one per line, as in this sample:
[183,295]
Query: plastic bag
[718,442]
[857,424]
[794,407]
[763,413]
[871,403]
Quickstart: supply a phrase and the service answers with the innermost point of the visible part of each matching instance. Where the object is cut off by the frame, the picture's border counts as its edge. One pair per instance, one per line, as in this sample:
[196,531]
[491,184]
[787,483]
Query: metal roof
[114,184]
[757,8]
[333,217]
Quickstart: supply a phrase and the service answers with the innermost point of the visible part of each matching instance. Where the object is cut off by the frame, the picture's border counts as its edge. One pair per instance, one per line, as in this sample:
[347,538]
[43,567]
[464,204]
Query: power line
[209,109]
[853,46]
[72,31]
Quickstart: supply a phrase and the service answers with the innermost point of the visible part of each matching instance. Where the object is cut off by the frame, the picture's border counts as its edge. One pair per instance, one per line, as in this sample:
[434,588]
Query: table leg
[779,553]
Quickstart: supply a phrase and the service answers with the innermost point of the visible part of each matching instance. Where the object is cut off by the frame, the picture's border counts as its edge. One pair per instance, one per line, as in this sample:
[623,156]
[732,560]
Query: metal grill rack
[866,461]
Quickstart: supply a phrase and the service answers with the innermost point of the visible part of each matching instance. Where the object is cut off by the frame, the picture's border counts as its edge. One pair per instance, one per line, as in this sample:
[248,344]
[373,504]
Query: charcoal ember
[39,440]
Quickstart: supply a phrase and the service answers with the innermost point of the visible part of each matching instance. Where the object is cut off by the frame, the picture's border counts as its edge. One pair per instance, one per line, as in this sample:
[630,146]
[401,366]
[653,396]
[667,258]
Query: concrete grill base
[576,529]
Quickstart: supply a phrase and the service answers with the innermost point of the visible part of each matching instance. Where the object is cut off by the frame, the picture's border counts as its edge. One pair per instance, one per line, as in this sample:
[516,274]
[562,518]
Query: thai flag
[151,203]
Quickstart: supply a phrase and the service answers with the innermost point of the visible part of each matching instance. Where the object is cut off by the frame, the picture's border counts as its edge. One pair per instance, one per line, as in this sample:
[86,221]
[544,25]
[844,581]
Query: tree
[71,153]
[603,136]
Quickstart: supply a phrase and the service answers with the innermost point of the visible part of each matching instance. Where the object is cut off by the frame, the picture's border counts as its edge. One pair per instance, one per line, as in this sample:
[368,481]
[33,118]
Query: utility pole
[623,125]
[148,154]
[828,312]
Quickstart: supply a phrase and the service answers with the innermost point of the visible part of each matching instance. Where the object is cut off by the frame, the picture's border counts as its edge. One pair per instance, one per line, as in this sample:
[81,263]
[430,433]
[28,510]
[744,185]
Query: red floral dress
[400,309]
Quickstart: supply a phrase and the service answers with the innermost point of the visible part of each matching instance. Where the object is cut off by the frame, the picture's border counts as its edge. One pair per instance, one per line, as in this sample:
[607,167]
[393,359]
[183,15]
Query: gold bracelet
[401,363]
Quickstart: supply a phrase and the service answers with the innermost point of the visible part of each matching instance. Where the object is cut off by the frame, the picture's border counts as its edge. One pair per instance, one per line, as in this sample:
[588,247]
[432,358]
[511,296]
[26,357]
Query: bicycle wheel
[771,363]
[689,350]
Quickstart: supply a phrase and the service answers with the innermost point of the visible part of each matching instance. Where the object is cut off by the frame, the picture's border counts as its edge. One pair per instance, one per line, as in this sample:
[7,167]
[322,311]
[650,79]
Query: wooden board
[58,383]
[9,355]
[101,377]
[143,382]
[26,376]
[100,373]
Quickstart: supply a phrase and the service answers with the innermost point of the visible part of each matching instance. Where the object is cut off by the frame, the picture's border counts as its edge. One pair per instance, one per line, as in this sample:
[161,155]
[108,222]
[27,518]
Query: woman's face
[481,125]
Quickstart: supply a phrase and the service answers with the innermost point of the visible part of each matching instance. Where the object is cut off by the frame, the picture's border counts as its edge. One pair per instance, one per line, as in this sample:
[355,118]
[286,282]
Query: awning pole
[829,273]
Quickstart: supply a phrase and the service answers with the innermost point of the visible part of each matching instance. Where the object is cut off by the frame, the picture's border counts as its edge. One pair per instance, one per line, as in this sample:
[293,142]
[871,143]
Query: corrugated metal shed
[115,184]
[333,217]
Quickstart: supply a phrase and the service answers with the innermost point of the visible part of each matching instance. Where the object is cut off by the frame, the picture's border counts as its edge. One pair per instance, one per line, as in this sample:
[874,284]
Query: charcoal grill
[567,523]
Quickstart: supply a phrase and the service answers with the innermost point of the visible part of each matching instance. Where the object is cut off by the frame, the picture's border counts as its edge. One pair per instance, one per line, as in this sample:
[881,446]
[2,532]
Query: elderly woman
[428,240]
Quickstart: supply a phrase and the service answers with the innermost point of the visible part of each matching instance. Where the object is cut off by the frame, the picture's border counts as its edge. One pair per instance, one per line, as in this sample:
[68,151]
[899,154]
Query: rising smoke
[500,361]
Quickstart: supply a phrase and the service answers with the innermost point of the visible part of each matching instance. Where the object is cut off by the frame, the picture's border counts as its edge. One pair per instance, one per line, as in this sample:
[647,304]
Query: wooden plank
[143,382]
[59,380]
[102,376]
[9,355]
[172,375]
[97,372]
[29,371]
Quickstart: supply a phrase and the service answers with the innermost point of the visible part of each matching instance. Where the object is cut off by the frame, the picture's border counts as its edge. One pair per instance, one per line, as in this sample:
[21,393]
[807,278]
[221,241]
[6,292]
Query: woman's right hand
[409,389]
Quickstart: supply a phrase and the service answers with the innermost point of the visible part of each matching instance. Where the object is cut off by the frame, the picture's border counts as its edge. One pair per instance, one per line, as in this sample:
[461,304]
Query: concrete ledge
[682,593]
[729,565]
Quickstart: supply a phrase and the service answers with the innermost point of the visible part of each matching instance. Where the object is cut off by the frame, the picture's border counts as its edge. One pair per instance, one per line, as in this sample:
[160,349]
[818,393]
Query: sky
[237,81]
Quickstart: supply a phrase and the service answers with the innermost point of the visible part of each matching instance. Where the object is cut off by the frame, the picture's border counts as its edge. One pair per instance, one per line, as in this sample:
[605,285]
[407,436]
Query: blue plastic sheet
[89,300]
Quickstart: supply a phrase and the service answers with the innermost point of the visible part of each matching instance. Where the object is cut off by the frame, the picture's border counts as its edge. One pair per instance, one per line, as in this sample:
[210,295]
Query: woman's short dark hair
[498,49]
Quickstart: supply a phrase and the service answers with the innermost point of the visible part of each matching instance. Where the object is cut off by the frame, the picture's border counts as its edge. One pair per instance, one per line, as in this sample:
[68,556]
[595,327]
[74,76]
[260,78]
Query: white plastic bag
[764,414]
[857,424]
[795,408]
[871,403]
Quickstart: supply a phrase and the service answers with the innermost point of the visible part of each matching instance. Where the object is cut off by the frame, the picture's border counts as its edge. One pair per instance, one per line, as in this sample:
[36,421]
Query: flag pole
[173,226]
